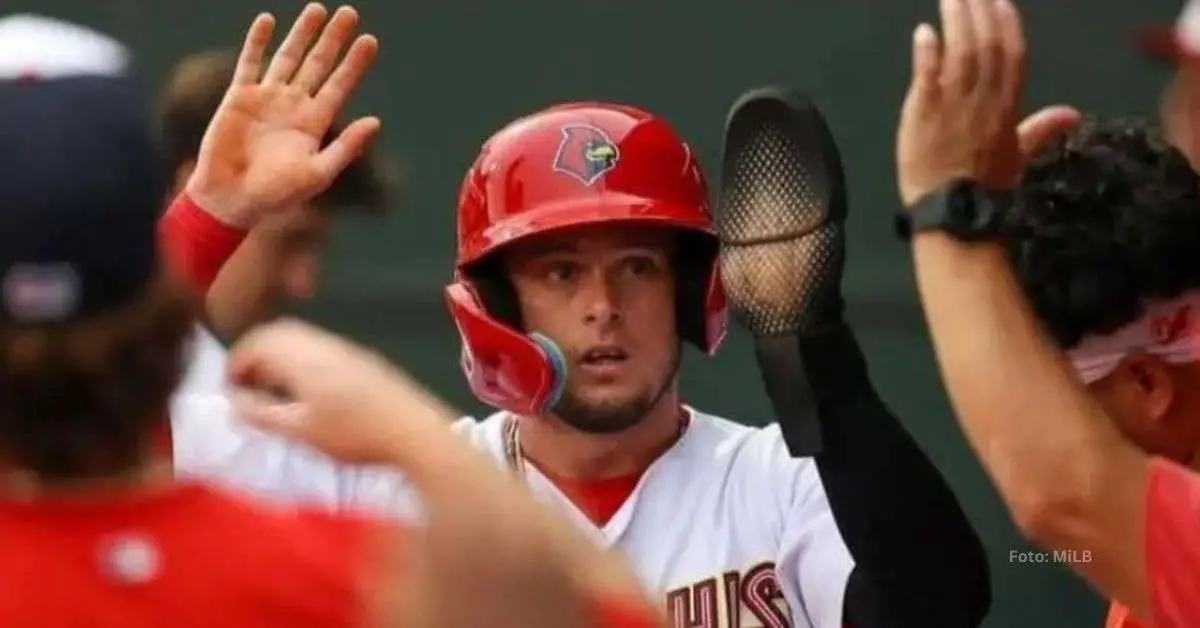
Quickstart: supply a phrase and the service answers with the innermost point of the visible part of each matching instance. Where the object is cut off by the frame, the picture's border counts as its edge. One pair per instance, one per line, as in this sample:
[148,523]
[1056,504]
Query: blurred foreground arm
[1069,479]
[483,532]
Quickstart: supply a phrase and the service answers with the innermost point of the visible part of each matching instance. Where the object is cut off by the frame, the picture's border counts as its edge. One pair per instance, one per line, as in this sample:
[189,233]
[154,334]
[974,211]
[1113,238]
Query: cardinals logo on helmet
[585,153]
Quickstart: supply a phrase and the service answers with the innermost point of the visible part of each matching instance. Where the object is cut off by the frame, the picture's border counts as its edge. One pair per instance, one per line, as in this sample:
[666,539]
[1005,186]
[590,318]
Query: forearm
[1068,477]
[1014,396]
[917,559]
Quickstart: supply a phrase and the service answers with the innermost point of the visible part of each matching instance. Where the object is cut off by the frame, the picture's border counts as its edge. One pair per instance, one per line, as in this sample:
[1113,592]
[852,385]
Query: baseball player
[1103,235]
[95,532]
[602,206]
[585,257]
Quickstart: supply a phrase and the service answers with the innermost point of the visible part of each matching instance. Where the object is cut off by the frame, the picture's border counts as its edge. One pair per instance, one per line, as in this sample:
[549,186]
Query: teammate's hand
[959,117]
[262,150]
[311,386]
[1181,111]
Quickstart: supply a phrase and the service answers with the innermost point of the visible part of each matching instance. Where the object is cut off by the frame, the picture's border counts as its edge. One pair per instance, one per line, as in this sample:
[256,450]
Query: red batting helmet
[570,165]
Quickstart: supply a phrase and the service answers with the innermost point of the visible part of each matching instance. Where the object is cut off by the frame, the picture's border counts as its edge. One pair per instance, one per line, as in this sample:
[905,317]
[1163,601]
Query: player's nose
[601,307]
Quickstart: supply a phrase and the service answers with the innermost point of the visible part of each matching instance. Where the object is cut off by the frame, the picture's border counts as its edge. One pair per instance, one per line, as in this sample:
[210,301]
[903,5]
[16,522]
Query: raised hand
[1181,111]
[959,117]
[262,151]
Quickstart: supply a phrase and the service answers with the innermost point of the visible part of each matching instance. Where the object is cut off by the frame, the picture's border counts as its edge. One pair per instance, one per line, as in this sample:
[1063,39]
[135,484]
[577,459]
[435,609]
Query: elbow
[1049,518]
[1060,510]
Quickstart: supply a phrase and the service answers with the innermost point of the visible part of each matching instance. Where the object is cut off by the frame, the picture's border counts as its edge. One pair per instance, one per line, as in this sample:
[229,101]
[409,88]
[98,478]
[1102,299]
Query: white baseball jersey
[727,527]
[209,442]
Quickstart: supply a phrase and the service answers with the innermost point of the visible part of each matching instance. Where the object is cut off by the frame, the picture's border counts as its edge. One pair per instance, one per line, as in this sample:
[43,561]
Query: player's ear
[1150,386]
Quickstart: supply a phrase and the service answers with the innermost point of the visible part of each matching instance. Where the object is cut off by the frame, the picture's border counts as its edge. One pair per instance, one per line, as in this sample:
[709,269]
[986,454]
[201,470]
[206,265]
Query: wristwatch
[961,208]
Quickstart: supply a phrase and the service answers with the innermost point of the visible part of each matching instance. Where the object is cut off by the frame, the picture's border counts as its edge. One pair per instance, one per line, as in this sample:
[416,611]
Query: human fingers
[346,147]
[266,357]
[249,63]
[1044,126]
[345,78]
[291,52]
[959,67]
[320,61]
[987,46]
[926,62]
[1013,50]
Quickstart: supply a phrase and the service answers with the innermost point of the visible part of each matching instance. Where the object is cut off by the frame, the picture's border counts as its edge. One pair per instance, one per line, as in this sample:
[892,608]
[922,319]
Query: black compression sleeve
[918,561]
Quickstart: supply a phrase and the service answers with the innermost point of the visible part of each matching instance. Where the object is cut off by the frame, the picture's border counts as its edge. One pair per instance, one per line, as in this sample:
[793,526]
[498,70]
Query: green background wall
[451,71]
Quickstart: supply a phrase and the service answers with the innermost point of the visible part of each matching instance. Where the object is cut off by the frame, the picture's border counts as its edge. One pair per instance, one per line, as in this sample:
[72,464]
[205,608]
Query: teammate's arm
[1068,477]
[1070,480]
[917,559]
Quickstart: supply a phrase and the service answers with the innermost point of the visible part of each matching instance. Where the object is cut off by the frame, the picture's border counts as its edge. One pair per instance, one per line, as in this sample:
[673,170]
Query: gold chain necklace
[512,439]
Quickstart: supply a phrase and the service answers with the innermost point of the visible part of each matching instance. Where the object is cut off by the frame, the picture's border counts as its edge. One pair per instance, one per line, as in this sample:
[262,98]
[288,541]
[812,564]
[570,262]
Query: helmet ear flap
[504,367]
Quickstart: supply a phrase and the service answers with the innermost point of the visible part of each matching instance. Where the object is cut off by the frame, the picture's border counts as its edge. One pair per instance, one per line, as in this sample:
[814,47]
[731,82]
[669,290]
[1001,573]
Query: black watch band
[960,208]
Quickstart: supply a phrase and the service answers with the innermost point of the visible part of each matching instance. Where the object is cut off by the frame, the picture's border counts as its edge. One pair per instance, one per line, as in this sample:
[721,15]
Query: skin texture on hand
[1181,111]
[959,117]
[262,151]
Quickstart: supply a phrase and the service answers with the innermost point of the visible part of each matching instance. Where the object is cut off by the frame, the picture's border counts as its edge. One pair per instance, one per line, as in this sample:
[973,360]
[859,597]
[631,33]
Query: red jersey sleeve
[195,243]
[1173,544]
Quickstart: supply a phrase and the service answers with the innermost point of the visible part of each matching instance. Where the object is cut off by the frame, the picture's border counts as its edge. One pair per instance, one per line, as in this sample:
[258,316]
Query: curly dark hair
[80,401]
[1105,221]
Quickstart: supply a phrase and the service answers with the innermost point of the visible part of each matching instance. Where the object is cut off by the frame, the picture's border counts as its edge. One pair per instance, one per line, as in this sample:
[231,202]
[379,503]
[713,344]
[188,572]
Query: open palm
[263,148]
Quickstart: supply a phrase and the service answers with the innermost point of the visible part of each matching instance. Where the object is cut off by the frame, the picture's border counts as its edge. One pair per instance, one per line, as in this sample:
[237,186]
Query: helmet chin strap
[674,374]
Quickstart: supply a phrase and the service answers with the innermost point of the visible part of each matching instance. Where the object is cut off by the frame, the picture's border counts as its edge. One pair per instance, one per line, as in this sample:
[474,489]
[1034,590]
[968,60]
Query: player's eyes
[640,266]
[561,271]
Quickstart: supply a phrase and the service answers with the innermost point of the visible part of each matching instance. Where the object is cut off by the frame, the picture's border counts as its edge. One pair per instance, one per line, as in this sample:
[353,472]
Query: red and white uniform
[726,528]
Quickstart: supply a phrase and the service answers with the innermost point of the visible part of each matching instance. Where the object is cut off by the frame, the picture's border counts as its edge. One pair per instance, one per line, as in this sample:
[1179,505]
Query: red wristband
[195,243]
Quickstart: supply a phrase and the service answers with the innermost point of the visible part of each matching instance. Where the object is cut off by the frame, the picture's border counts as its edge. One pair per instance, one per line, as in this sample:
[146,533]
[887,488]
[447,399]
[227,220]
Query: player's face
[606,295]
[1155,405]
[279,261]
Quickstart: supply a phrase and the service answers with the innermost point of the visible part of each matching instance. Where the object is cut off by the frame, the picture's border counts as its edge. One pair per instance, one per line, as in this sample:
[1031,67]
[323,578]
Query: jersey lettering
[750,599]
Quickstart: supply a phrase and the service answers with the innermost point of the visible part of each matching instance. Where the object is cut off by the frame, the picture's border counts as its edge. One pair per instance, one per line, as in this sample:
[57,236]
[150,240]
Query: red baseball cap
[1177,42]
